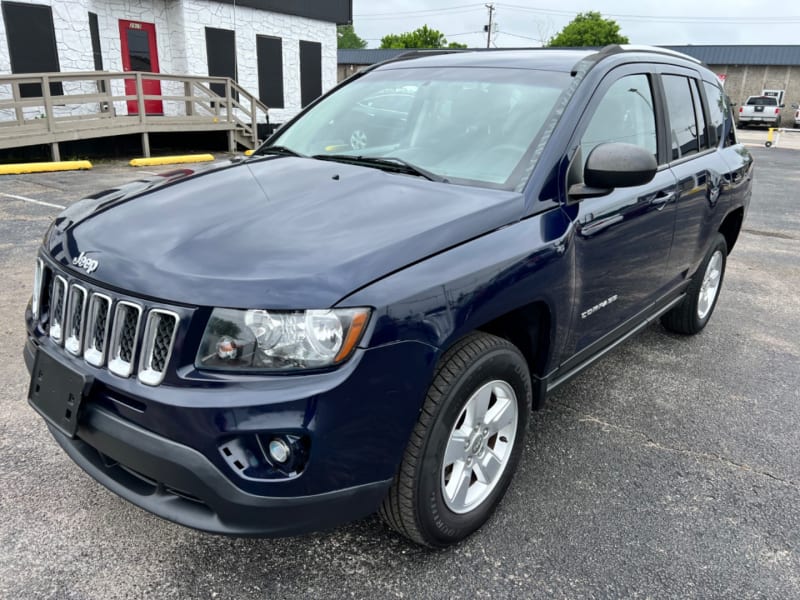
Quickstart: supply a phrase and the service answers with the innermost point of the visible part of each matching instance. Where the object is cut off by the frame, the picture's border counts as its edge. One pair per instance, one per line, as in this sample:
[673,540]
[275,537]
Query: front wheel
[466,445]
[694,311]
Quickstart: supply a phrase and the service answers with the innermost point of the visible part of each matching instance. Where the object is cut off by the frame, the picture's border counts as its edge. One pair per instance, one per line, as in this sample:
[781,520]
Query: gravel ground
[668,469]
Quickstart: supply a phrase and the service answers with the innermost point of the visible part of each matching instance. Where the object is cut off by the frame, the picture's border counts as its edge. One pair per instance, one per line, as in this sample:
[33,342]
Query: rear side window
[625,114]
[682,120]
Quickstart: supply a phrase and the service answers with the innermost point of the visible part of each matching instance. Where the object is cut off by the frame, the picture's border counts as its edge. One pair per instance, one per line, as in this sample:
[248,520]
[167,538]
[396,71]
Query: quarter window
[625,114]
[717,109]
[682,121]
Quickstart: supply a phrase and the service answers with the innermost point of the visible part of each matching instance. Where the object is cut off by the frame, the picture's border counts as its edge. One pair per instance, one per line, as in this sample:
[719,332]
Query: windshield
[464,125]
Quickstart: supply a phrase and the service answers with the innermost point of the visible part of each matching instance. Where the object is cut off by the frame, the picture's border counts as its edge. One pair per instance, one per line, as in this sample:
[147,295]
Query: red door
[139,53]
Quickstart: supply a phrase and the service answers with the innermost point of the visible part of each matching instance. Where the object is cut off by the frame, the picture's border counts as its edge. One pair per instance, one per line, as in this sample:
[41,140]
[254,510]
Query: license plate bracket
[57,392]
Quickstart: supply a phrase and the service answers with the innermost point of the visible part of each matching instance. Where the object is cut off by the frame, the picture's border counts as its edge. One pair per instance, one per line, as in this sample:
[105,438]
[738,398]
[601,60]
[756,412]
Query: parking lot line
[24,199]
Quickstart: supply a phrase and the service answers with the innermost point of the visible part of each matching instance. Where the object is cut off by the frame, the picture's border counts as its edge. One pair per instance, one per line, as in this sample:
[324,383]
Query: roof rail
[614,48]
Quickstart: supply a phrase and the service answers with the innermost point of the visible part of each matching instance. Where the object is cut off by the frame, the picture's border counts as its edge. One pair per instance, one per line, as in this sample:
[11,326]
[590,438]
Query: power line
[660,18]
[461,8]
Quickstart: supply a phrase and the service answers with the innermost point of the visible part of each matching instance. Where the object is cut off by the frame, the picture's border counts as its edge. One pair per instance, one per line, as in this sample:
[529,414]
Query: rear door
[623,239]
[704,177]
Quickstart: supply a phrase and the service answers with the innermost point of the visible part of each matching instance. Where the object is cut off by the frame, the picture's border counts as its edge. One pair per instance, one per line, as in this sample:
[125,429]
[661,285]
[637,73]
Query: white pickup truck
[760,110]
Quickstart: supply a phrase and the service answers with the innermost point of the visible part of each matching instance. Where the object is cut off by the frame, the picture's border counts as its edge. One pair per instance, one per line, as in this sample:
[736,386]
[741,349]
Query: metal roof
[368,56]
[711,55]
[743,55]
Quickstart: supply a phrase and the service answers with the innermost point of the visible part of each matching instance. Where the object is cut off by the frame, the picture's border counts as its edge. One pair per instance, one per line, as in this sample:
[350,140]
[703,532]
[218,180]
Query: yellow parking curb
[44,167]
[171,160]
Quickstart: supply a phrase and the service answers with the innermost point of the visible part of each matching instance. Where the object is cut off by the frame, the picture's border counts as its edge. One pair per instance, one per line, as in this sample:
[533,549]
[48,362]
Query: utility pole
[490,6]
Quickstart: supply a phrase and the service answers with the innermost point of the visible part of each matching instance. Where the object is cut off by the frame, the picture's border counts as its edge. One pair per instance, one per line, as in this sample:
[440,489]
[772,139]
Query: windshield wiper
[280,150]
[391,163]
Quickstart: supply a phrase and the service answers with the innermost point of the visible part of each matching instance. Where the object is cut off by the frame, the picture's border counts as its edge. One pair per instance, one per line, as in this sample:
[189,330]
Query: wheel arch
[530,329]
[731,226]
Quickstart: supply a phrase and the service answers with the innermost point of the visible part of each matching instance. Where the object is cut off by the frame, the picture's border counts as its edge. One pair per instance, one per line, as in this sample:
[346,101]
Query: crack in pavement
[651,443]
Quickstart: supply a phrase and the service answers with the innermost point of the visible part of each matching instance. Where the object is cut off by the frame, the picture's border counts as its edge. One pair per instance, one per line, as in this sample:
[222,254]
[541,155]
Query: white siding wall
[180,31]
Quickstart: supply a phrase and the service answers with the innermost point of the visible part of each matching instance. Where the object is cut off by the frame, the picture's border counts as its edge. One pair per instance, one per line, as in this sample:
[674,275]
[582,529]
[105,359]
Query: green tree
[424,37]
[589,29]
[348,38]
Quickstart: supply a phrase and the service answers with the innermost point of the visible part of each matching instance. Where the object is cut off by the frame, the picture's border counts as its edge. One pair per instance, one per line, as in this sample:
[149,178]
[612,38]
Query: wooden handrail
[87,95]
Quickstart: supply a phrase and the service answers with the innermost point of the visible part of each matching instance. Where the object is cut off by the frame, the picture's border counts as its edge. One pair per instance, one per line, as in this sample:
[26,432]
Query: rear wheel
[694,311]
[466,445]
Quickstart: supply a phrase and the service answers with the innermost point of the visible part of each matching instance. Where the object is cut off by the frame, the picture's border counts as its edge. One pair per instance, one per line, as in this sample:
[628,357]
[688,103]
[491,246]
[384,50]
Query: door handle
[661,199]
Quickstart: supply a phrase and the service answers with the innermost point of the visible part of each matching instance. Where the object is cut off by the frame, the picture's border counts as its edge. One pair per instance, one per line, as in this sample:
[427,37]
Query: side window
[702,128]
[682,123]
[716,110]
[625,114]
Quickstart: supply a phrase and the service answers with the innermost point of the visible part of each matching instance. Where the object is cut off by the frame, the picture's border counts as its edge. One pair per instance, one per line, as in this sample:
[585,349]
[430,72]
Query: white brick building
[282,51]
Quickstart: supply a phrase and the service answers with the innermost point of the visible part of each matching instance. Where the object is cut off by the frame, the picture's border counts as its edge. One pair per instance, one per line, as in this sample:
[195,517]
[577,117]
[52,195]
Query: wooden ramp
[49,108]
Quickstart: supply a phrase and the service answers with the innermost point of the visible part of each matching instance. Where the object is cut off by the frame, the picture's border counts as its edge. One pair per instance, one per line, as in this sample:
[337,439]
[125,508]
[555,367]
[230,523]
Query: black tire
[415,506]
[685,317]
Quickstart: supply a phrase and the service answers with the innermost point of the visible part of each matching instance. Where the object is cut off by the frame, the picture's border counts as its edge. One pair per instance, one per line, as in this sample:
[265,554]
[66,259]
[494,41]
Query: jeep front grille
[159,336]
[124,336]
[104,330]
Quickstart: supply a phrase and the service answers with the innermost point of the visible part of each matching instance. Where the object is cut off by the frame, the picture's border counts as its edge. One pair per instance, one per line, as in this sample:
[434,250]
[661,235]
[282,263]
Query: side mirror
[611,166]
[783,106]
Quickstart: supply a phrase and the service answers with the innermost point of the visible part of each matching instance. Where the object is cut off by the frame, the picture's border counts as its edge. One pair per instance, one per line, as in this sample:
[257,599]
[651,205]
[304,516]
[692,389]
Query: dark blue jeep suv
[361,316]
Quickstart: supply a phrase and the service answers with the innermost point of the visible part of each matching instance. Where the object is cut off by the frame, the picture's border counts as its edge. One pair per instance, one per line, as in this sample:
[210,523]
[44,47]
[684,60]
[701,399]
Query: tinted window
[625,114]
[716,110]
[680,106]
[762,101]
[702,129]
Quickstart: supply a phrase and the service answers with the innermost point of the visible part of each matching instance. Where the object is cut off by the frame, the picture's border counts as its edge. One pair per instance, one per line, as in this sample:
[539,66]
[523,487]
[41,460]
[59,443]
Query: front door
[139,53]
[623,239]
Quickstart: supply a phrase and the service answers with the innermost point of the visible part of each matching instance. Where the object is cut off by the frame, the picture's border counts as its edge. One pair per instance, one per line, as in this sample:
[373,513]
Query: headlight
[261,340]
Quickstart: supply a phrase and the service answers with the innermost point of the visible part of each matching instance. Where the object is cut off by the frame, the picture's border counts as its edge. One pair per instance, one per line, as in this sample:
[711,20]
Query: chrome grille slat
[97,323]
[159,337]
[124,337]
[57,302]
[75,319]
[38,280]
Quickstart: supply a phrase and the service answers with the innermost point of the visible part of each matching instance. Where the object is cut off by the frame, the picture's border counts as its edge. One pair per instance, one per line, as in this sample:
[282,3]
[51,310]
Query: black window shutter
[269,56]
[31,44]
[310,72]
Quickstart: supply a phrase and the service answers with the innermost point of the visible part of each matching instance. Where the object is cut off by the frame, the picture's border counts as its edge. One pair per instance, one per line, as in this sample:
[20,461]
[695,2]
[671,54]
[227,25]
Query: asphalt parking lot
[670,468]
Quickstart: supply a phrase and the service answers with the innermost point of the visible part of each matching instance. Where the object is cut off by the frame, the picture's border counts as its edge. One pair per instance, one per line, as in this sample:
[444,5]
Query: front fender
[439,300]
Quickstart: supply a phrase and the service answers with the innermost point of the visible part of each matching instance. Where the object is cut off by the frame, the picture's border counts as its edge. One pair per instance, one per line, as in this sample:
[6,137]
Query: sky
[526,23]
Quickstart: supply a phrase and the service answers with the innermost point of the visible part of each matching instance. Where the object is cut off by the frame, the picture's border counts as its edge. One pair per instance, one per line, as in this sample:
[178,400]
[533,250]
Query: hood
[278,232]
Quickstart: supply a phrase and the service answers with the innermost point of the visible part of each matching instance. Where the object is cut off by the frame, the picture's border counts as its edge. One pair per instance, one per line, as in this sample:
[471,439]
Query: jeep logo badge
[84,262]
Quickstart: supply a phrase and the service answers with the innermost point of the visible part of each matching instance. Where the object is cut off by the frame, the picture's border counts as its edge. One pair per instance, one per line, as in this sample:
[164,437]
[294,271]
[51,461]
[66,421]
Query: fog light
[279,450]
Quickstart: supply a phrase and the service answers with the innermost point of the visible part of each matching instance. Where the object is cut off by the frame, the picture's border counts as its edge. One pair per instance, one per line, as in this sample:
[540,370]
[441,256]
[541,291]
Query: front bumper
[763,120]
[179,484]
[165,457]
